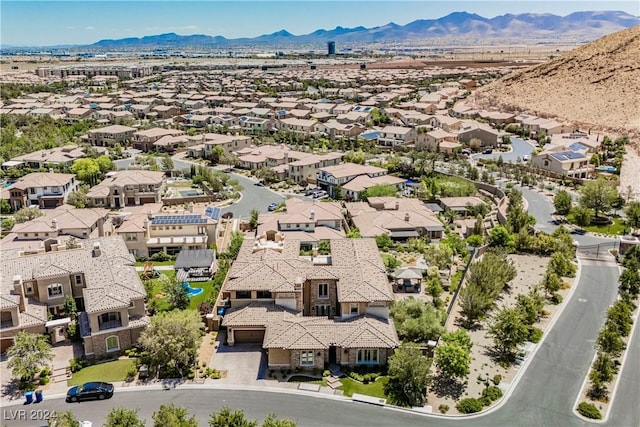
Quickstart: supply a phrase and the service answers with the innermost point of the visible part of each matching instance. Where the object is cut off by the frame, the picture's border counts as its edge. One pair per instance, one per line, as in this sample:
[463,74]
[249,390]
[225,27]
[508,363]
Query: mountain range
[578,26]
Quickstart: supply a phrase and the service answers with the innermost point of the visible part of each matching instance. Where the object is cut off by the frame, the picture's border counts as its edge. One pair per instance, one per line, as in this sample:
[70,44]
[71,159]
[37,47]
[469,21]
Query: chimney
[96,249]
[406,217]
[191,207]
[147,229]
[54,224]
[19,290]
[312,215]
[397,204]
[101,227]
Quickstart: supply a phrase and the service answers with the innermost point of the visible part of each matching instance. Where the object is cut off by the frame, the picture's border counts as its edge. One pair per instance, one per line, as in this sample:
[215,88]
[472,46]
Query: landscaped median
[594,400]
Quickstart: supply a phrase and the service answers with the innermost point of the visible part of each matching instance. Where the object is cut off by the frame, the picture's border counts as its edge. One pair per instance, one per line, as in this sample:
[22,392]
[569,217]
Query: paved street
[519,147]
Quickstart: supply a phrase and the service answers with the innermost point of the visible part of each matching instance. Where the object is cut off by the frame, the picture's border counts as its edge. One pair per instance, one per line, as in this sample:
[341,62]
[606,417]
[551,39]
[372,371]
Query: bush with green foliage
[469,405]
[535,335]
[492,393]
[589,410]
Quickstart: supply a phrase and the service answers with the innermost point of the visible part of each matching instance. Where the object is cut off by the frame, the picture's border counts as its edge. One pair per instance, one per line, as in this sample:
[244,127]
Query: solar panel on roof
[178,219]
[216,213]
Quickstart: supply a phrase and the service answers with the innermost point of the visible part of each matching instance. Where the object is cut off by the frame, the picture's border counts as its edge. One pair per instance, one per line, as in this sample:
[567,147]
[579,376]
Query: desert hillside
[596,85]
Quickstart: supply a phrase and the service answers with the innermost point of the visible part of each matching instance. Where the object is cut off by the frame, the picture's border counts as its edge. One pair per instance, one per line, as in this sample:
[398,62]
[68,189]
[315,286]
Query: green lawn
[109,372]
[155,263]
[617,228]
[194,302]
[375,388]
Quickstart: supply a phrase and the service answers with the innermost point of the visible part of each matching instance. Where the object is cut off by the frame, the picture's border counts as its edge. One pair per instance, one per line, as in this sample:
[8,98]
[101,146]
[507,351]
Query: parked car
[310,191]
[272,206]
[91,390]
[487,151]
[466,152]
[525,158]
[319,194]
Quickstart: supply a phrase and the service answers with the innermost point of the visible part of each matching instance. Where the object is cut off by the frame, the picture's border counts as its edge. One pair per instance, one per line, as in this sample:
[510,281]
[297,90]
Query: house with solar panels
[571,161]
[148,234]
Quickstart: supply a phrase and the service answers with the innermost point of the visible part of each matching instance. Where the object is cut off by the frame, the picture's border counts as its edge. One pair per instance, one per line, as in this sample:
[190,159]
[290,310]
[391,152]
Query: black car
[92,390]
[487,151]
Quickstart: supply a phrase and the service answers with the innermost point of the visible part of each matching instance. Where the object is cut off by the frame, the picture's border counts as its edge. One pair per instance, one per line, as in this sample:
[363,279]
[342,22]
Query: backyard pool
[192,292]
[191,193]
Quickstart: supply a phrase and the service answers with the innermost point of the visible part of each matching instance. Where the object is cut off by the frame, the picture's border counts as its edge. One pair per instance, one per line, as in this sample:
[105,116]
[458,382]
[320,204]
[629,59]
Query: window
[54,290]
[367,356]
[323,290]
[28,288]
[243,294]
[78,279]
[323,310]
[306,358]
[353,308]
[263,294]
[113,343]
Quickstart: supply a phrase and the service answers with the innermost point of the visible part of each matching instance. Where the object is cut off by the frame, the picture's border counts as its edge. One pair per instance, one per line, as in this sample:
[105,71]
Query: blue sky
[45,23]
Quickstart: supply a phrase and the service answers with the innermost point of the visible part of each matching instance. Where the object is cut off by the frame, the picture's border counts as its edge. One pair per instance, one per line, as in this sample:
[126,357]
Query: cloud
[89,28]
[70,27]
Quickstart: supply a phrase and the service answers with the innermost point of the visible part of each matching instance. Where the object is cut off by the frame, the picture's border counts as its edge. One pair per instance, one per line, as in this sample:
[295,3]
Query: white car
[525,158]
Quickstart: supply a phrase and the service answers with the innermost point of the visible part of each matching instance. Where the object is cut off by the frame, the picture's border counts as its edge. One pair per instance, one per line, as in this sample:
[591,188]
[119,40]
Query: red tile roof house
[110,135]
[331,177]
[310,314]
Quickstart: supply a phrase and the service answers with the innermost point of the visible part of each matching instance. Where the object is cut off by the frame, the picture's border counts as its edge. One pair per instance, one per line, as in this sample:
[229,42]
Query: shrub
[535,335]
[589,410]
[45,372]
[44,380]
[556,299]
[76,364]
[469,405]
[485,401]
[131,372]
[496,379]
[443,408]
[326,373]
[191,375]
[492,393]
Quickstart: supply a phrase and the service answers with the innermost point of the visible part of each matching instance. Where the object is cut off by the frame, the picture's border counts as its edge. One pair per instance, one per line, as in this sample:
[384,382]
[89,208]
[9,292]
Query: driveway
[519,148]
[244,363]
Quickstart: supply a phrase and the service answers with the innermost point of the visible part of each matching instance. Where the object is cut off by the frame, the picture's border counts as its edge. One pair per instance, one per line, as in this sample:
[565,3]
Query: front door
[332,354]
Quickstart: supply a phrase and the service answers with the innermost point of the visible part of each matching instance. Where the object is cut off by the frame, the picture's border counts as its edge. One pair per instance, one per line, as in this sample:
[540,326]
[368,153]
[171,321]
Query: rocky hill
[596,85]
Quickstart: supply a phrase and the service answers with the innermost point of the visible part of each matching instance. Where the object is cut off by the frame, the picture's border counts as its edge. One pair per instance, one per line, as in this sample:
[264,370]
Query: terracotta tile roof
[255,314]
[317,333]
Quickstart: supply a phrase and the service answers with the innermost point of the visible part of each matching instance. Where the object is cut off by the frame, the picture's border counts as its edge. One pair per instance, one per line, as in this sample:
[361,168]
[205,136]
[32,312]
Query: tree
[27,214]
[69,307]
[460,337]
[598,195]
[408,376]
[72,243]
[610,341]
[7,224]
[28,355]
[551,282]
[227,418]
[508,330]
[79,198]
[562,202]
[501,238]
[530,305]
[630,281]
[266,175]
[63,419]
[632,212]
[172,340]
[602,372]
[87,170]
[582,216]
[5,207]
[416,321]
[354,233]
[167,163]
[123,417]
[453,360]
[173,416]
[175,292]
[105,163]
[253,222]
[273,421]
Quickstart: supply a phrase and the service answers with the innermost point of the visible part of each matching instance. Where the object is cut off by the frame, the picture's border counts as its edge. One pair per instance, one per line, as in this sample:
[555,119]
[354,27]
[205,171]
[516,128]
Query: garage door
[144,200]
[248,336]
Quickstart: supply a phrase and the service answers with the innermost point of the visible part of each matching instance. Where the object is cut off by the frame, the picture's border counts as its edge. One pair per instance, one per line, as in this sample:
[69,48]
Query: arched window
[113,343]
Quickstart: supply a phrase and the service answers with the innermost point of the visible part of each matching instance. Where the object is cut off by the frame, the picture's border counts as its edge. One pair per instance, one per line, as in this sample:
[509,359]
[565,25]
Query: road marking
[582,300]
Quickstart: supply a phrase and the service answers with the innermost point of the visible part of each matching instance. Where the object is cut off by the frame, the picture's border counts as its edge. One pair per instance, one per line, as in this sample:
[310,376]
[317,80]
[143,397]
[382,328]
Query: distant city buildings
[331,48]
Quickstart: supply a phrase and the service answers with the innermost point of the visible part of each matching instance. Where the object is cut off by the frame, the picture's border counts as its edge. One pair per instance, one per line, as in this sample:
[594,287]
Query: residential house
[310,313]
[305,168]
[568,162]
[400,218]
[42,189]
[488,136]
[59,156]
[297,126]
[330,178]
[144,139]
[99,275]
[127,187]
[146,234]
[459,205]
[394,136]
[306,221]
[439,140]
[109,135]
